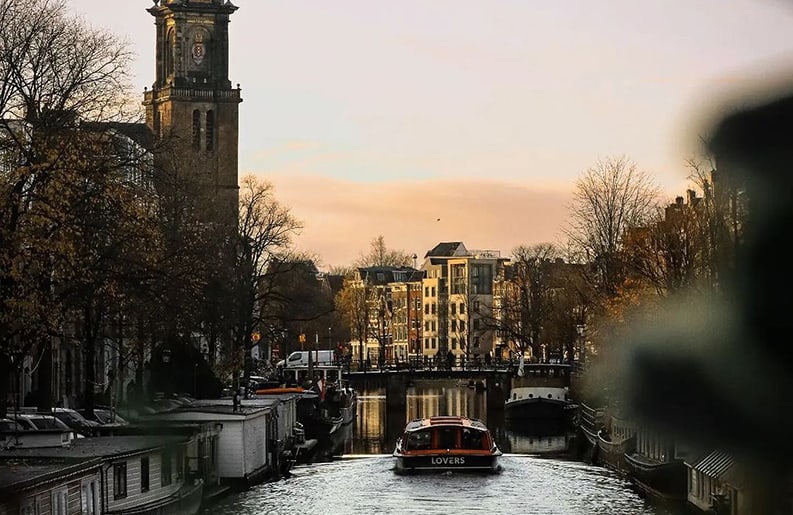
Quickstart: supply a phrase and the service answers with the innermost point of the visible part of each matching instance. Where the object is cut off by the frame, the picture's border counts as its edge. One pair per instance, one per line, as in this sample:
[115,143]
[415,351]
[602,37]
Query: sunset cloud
[342,217]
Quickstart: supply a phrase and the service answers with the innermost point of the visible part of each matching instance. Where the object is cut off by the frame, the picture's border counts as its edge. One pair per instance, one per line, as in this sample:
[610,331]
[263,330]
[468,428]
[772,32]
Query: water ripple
[368,485]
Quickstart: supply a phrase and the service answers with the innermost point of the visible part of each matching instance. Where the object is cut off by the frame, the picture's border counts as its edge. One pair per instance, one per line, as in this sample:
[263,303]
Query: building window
[196,129]
[426,291]
[476,305]
[210,131]
[433,308]
[119,480]
[462,325]
[432,341]
[426,309]
[476,324]
[434,327]
[433,291]
[462,308]
[454,343]
[165,468]
[453,307]
[89,497]
[144,474]
[454,325]
[427,325]
[60,502]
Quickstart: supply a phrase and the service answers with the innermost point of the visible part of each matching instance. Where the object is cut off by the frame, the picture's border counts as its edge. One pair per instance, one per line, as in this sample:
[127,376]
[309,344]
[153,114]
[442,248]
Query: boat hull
[447,463]
[664,481]
[544,409]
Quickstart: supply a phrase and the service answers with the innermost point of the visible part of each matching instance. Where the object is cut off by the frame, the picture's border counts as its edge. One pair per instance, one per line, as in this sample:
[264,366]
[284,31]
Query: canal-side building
[458,300]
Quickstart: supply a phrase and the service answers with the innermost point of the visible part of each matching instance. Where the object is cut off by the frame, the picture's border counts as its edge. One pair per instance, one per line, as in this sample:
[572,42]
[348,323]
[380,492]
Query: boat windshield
[419,440]
[472,439]
[446,438]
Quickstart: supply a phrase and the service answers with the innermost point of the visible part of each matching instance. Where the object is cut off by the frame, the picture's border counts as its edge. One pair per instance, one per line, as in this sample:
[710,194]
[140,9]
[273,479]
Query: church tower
[192,110]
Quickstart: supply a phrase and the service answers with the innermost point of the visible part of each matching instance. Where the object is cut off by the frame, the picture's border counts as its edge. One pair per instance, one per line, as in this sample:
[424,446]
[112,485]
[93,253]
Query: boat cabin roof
[452,420]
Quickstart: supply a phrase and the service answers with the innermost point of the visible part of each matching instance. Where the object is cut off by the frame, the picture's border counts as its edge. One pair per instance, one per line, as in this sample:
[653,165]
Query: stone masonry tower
[192,110]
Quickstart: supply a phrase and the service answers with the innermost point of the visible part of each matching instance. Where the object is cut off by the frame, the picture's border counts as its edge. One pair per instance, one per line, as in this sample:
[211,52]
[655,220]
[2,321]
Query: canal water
[353,473]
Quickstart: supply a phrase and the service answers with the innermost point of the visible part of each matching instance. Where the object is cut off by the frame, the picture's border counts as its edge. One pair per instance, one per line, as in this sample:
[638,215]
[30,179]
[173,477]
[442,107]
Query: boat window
[447,438]
[472,439]
[418,440]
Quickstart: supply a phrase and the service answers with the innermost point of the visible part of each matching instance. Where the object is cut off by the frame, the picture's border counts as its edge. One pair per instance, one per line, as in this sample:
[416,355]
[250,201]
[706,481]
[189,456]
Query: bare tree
[611,197]
[265,233]
[55,71]
[380,255]
[354,302]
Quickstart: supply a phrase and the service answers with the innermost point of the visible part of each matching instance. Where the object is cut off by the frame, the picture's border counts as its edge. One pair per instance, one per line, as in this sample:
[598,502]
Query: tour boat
[446,443]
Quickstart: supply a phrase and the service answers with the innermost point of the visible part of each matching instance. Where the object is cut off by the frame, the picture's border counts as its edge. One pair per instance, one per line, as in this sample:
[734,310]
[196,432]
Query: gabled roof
[448,249]
[379,275]
[98,447]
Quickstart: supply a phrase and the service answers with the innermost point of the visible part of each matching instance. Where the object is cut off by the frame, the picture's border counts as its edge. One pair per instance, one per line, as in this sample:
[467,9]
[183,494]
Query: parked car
[8,425]
[75,420]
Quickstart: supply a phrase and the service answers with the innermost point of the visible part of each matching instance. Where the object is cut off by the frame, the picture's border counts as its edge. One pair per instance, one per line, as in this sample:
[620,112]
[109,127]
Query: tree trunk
[89,341]
[45,376]
[5,375]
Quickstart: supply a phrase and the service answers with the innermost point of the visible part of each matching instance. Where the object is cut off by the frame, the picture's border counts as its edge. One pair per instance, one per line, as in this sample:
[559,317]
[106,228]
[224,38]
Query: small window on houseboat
[144,474]
[120,480]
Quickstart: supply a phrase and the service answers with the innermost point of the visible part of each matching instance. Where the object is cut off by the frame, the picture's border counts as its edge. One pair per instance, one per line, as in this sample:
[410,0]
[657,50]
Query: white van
[300,358]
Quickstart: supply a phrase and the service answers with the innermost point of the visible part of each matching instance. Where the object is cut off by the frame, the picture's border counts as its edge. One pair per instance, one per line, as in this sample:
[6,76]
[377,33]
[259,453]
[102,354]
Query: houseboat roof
[451,420]
[222,407]
[18,475]
[96,447]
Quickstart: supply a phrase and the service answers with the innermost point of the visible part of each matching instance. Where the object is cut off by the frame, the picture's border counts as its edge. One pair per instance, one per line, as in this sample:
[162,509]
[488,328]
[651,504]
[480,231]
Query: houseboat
[120,475]
[248,441]
[589,422]
[615,440]
[446,443]
[538,402]
[540,392]
[327,402]
[657,467]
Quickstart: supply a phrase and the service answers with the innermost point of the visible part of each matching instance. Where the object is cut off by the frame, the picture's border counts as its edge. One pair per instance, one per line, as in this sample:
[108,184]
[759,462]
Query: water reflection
[376,428]
[342,481]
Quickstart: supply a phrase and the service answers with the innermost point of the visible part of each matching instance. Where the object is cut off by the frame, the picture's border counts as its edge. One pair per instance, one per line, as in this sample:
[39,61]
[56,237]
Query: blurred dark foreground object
[719,373]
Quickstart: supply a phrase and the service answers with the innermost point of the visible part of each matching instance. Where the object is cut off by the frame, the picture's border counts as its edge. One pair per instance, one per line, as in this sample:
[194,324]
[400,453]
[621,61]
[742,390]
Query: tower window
[170,48]
[210,130]
[196,129]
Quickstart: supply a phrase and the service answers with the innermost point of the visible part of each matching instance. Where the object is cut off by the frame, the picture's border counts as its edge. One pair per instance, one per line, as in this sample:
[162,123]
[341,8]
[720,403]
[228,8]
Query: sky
[470,120]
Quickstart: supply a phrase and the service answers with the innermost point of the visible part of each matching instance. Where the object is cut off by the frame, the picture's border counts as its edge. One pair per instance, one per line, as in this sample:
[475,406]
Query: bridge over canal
[495,380]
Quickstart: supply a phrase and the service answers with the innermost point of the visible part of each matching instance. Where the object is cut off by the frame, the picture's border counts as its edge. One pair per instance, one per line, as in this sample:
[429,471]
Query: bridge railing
[460,363]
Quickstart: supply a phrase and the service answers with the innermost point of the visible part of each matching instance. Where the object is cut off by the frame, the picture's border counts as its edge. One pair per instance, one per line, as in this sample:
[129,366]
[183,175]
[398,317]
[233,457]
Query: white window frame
[56,495]
[91,508]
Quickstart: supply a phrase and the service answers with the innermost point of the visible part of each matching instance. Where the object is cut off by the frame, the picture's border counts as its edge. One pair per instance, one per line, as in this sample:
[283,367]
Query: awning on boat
[716,464]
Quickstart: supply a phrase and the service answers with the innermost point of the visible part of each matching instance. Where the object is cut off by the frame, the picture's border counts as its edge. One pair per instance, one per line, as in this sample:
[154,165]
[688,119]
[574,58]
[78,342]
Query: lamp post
[580,332]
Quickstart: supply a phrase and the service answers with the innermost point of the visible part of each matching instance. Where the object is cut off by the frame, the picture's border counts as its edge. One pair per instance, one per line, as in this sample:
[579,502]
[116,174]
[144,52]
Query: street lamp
[580,330]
